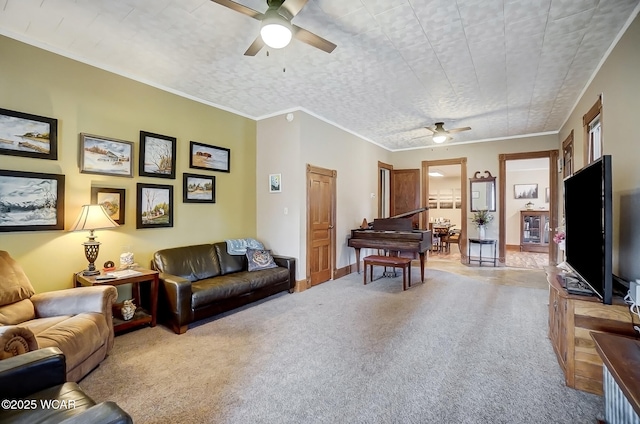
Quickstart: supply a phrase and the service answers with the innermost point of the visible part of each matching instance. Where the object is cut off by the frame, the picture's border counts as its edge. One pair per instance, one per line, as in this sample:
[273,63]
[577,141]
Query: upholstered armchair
[78,321]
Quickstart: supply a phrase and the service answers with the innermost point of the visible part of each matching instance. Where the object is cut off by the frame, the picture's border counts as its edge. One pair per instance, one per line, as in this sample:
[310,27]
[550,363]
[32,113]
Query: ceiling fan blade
[290,8]
[240,8]
[312,39]
[432,129]
[255,47]
[457,130]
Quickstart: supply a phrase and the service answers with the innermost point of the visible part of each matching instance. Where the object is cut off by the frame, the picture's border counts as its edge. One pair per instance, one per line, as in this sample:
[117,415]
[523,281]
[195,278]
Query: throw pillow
[260,259]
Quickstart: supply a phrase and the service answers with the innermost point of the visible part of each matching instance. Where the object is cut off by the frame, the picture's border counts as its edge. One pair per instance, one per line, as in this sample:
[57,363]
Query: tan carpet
[456,349]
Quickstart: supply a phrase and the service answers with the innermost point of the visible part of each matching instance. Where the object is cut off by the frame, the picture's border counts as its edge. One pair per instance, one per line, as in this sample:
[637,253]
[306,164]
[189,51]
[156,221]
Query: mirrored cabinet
[534,231]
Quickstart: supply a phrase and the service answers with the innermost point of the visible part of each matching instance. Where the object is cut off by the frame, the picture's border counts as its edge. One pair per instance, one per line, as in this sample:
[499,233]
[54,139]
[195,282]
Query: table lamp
[92,217]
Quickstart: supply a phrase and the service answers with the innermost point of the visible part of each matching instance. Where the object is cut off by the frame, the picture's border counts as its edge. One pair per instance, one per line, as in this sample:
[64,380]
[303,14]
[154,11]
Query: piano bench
[394,261]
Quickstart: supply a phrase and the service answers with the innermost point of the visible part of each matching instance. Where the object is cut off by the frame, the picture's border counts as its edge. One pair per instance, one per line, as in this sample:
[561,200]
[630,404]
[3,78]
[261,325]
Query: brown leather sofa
[33,390]
[203,280]
[78,321]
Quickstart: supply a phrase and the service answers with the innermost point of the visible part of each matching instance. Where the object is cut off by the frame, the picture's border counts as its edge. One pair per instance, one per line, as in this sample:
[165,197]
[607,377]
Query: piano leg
[422,266]
[358,260]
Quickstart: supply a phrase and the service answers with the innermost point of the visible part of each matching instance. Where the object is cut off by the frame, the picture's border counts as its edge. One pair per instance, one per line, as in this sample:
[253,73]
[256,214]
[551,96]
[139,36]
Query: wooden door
[321,247]
[405,192]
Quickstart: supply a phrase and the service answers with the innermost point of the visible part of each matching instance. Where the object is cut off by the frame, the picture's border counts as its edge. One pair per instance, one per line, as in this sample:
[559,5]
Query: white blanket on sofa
[239,246]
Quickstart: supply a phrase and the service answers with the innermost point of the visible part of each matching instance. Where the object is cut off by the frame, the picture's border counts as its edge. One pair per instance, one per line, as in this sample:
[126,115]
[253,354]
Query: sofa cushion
[264,277]
[17,312]
[14,284]
[259,259]
[230,263]
[77,336]
[205,292]
[189,262]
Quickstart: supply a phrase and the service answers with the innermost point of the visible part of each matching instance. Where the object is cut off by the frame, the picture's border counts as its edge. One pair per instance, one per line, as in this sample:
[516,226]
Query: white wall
[513,206]
[480,157]
[287,147]
[445,185]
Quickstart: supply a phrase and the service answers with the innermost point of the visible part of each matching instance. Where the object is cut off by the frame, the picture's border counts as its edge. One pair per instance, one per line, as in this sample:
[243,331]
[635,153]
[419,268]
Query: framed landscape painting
[106,156]
[525,191]
[157,155]
[198,188]
[112,200]
[212,158]
[31,201]
[154,206]
[23,134]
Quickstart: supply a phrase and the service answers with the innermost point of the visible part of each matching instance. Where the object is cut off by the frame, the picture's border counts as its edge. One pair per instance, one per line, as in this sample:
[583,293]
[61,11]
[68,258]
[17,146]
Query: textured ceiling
[506,68]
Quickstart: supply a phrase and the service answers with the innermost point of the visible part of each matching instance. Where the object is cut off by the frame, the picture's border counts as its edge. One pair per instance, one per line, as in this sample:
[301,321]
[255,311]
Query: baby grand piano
[396,235]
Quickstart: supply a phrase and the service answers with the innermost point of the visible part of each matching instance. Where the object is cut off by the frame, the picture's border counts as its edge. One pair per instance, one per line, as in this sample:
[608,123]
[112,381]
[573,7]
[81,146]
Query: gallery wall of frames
[32,201]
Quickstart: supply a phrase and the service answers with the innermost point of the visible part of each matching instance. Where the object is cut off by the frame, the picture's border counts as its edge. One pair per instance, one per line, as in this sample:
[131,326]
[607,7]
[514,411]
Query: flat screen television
[588,226]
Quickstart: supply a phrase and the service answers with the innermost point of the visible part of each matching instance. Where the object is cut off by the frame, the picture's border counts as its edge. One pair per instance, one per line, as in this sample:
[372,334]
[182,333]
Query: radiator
[617,409]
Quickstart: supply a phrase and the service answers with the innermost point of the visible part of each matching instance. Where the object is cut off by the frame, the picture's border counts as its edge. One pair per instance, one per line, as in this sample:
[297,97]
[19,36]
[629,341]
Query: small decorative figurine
[128,309]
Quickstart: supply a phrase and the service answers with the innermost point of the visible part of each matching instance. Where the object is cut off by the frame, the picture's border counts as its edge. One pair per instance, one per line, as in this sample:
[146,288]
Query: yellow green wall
[85,99]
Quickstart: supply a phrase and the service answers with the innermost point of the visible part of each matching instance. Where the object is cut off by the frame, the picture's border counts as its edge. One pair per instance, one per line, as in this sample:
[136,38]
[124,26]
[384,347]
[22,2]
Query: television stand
[572,318]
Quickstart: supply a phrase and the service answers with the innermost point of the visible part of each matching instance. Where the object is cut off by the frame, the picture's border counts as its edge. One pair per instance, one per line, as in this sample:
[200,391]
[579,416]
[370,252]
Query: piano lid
[409,214]
[401,222]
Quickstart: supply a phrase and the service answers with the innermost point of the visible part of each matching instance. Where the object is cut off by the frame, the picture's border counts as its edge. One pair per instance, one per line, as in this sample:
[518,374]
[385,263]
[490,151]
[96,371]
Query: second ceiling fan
[440,135]
[276,29]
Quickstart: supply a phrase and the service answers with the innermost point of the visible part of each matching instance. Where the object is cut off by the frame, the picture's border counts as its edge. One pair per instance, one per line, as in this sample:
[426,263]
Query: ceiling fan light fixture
[275,30]
[440,138]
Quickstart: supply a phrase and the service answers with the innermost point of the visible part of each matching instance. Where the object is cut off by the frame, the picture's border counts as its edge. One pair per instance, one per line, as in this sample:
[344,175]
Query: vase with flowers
[481,219]
[560,238]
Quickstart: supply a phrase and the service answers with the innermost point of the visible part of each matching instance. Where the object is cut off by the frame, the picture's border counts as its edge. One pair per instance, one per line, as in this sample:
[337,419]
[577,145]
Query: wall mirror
[483,192]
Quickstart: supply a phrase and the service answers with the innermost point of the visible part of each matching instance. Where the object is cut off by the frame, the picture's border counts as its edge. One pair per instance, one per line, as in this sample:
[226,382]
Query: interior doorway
[446,199]
[507,213]
[321,232]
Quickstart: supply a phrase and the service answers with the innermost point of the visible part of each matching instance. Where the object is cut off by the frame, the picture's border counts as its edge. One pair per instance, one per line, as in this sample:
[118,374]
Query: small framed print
[106,156]
[154,206]
[275,183]
[31,201]
[212,158]
[112,200]
[157,155]
[198,188]
[23,134]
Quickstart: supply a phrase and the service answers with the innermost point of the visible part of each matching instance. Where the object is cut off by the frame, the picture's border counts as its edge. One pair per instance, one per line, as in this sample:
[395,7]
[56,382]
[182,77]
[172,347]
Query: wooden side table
[142,315]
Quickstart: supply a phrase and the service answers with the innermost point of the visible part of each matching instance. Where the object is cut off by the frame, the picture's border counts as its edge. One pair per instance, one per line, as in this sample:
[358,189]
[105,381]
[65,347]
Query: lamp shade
[275,30]
[93,217]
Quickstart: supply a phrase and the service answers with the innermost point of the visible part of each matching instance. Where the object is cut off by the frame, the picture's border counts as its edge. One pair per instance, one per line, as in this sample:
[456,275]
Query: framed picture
[212,158]
[157,155]
[31,201]
[154,206]
[112,200]
[275,183]
[23,134]
[525,191]
[198,188]
[106,156]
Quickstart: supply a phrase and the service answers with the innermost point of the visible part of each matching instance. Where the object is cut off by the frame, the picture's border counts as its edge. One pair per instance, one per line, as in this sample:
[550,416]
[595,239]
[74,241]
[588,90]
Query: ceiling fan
[440,135]
[276,29]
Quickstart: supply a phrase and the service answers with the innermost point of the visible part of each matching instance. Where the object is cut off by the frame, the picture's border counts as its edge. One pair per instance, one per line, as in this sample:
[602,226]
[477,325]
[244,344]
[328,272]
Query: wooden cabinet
[572,318]
[534,231]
